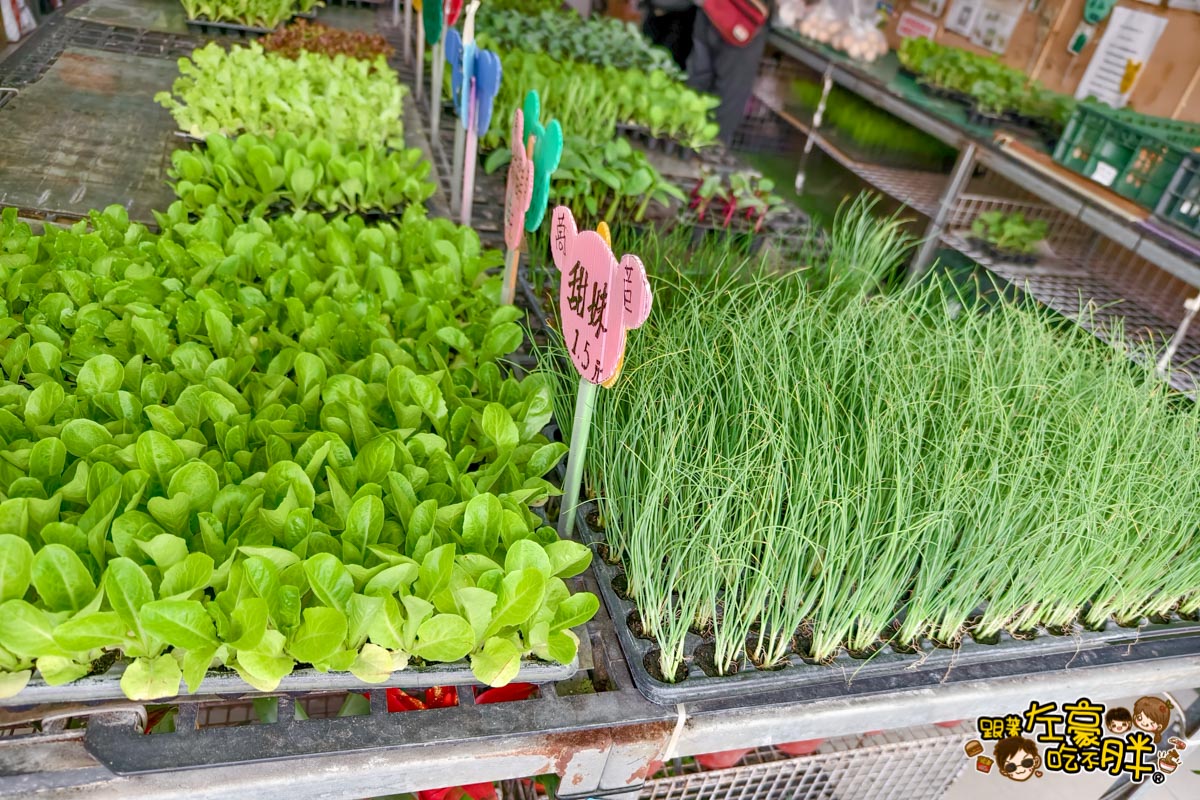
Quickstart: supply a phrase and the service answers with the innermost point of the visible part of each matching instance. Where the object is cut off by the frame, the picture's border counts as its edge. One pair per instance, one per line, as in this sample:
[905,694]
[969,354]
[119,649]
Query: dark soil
[1060,630]
[1160,619]
[802,640]
[593,520]
[752,644]
[862,655]
[636,627]
[606,554]
[1027,635]
[102,664]
[620,585]
[979,638]
[898,646]
[705,656]
[942,644]
[807,659]
[1131,623]
[650,662]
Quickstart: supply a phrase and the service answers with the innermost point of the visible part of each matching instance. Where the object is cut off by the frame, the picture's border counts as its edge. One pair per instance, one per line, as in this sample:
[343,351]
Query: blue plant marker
[487,86]
[481,82]
[468,76]
[454,57]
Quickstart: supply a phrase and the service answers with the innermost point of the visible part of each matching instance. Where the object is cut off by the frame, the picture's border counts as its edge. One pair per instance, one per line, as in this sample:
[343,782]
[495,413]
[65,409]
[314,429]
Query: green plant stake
[435,20]
[547,152]
[420,49]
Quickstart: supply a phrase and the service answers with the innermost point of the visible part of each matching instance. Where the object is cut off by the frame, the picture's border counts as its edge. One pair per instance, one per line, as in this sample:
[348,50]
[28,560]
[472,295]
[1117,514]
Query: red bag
[737,20]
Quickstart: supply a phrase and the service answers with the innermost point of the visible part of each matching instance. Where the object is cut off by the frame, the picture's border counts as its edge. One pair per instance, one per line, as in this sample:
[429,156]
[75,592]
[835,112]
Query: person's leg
[653,27]
[671,30]
[681,46]
[735,69]
[701,66]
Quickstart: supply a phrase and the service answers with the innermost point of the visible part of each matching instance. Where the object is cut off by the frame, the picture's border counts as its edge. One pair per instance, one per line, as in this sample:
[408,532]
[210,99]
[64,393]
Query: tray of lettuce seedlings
[236,489]
[1008,237]
[829,483]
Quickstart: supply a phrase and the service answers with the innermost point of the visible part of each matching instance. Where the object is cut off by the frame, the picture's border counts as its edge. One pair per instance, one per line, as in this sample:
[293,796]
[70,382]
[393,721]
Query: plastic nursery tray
[888,670]
[1002,256]
[208,26]
[107,686]
[942,93]
[642,136]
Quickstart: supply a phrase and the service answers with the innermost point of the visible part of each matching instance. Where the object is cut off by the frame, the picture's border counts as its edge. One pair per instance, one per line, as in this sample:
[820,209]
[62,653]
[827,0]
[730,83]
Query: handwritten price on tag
[519,186]
[599,298]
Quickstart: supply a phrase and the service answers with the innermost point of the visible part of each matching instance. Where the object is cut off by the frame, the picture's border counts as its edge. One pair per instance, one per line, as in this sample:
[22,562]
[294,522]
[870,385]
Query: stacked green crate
[1180,204]
[1135,155]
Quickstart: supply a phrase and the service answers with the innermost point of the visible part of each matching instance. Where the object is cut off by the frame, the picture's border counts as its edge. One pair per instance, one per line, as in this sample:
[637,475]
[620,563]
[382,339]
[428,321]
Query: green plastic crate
[1134,155]
[1180,204]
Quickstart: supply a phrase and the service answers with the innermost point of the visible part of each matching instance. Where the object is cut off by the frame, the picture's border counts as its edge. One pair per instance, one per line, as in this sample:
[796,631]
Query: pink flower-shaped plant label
[519,188]
[599,298]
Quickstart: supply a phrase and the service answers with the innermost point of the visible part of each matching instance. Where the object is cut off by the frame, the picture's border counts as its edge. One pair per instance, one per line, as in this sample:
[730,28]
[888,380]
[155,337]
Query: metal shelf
[917,189]
[1046,185]
[1092,299]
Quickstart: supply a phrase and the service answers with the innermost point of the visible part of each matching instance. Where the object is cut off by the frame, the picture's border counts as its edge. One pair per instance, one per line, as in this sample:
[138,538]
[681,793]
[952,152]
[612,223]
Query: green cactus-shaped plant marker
[547,150]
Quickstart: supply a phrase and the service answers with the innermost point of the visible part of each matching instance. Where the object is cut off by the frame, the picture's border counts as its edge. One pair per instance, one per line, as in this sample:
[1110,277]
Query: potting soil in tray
[887,671]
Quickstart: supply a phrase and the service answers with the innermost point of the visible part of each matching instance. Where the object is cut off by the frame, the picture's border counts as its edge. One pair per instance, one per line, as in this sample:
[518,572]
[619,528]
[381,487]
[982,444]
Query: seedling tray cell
[887,670]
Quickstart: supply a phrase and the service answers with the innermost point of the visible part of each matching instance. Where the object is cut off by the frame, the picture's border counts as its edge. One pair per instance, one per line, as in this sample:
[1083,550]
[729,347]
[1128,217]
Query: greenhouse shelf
[30,61]
[1046,182]
[1069,286]
[917,189]
[916,763]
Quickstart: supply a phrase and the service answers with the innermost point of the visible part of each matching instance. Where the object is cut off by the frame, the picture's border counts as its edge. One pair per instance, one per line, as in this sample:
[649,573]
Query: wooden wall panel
[1168,84]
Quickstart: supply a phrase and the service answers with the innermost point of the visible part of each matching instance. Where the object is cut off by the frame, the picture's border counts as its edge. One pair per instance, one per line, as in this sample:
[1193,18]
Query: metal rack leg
[826,85]
[632,757]
[1191,307]
[958,181]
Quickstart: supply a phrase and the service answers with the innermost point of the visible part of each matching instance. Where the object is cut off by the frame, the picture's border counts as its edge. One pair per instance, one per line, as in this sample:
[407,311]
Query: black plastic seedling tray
[887,670]
[998,255]
[210,27]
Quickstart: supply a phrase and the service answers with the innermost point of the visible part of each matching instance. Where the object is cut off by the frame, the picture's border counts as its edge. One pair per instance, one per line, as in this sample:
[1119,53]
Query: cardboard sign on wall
[961,18]
[933,8]
[1130,36]
[915,25]
[994,23]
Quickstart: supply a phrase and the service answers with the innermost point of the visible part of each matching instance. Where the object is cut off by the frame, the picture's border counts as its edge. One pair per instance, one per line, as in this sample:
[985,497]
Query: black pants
[672,30]
[717,67]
